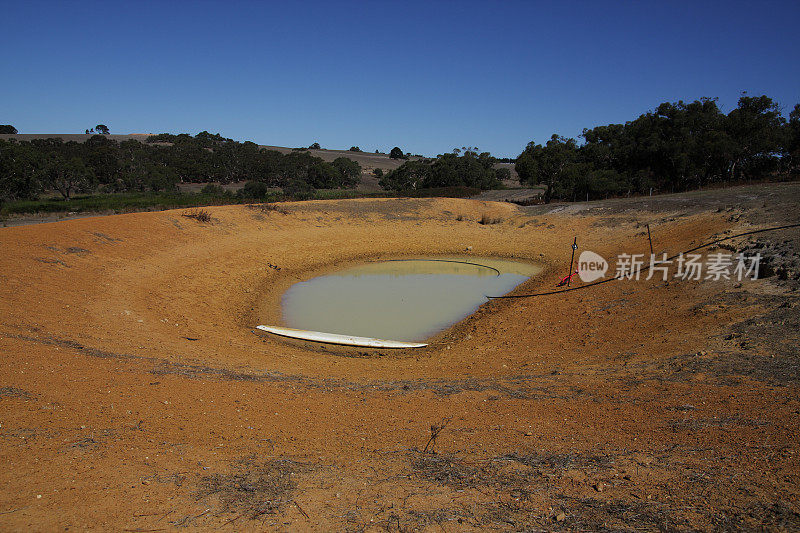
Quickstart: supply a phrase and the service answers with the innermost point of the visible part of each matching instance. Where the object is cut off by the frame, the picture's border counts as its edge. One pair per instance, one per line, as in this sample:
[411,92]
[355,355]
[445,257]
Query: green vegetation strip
[127,202]
[114,202]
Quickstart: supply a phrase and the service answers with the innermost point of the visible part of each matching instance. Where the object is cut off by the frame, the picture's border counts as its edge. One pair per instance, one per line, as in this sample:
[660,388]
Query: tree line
[29,168]
[677,147]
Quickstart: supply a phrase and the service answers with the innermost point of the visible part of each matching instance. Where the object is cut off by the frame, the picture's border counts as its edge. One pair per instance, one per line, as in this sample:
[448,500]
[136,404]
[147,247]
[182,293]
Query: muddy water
[407,300]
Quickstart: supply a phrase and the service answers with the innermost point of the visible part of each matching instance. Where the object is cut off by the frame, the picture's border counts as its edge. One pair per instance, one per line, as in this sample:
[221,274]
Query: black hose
[646,268]
[442,261]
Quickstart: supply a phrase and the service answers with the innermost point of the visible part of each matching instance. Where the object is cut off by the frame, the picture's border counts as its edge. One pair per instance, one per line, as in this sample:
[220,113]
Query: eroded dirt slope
[135,395]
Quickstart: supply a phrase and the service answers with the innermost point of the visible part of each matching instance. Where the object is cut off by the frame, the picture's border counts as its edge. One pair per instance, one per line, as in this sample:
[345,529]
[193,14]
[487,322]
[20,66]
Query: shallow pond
[404,300]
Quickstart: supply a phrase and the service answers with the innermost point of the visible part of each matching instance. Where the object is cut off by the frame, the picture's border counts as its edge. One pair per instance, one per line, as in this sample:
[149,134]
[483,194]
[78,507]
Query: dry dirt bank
[135,395]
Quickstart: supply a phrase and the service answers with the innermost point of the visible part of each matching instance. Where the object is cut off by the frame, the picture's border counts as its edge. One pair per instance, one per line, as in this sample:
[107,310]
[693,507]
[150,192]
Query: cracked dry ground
[135,395]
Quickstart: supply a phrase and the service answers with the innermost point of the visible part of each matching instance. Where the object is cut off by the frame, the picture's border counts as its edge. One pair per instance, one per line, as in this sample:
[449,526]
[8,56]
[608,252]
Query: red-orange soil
[136,396]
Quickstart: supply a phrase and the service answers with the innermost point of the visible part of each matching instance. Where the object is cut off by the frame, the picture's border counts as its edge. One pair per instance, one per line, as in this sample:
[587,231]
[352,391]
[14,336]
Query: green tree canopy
[66,175]
[792,141]
[31,167]
[447,170]
[755,131]
[549,165]
[677,146]
[411,175]
[21,165]
[349,170]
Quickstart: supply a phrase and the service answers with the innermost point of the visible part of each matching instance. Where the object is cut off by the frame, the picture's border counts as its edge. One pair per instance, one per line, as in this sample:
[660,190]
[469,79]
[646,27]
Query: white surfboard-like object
[336,338]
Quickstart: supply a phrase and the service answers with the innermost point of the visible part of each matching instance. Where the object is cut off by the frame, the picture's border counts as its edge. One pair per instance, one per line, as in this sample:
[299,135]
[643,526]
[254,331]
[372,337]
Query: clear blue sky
[427,76]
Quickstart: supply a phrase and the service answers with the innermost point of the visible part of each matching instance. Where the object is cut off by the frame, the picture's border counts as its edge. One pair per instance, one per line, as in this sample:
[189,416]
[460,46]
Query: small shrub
[255,190]
[299,190]
[200,215]
[355,149]
[253,489]
[487,220]
[213,190]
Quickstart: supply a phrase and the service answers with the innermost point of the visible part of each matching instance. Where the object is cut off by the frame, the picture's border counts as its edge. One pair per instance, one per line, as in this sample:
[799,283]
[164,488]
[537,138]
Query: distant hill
[77,137]
[365,159]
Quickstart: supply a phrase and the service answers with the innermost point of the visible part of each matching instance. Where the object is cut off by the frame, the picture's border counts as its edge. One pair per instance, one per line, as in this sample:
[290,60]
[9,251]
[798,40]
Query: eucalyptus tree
[549,164]
[66,174]
[792,142]
[755,128]
[349,170]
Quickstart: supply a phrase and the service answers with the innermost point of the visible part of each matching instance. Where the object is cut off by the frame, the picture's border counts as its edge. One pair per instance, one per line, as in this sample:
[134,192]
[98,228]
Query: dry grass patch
[253,489]
[268,208]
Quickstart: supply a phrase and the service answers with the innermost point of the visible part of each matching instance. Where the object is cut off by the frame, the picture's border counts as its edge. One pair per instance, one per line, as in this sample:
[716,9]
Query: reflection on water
[407,300]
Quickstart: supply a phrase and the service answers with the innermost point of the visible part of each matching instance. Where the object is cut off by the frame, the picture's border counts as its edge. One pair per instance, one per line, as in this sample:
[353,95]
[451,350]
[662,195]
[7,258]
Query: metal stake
[572,259]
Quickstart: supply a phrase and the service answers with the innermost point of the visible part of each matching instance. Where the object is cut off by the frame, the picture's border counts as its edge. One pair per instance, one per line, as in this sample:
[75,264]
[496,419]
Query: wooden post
[650,239]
